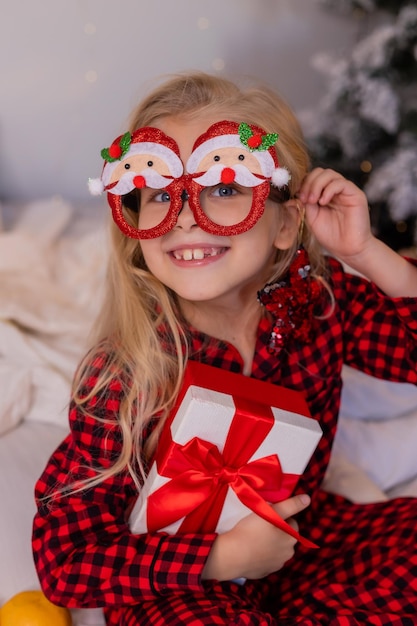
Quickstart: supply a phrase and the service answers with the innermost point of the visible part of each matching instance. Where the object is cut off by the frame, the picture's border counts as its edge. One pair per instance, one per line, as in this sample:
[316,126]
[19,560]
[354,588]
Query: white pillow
[367,398]
[377,429]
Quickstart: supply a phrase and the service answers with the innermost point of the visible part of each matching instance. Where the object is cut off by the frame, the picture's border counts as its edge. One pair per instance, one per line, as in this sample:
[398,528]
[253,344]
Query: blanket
[51,277]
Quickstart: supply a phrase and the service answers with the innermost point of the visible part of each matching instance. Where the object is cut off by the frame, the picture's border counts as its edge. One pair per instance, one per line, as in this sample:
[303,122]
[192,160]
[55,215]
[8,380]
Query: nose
[185,218]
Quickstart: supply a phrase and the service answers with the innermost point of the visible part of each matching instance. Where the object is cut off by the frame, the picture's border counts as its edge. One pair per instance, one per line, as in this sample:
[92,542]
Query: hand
[337,213]
[254,548]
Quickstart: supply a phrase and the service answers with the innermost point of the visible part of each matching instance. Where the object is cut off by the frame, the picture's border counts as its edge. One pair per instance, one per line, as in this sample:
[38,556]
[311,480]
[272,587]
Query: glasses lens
[226,205]
[154,206]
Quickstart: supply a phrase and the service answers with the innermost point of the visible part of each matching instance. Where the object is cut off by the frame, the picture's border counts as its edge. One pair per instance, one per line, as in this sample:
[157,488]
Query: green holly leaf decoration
[268,140]
[117,152]
[105,155]
[244,133]
[256,142]
[125,142]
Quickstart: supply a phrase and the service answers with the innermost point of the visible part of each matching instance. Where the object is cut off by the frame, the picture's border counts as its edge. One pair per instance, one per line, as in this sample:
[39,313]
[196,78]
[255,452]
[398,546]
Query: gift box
[231,446]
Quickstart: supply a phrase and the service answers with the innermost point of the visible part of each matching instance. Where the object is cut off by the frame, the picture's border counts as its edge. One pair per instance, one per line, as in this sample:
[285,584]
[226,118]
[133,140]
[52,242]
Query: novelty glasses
[229,176]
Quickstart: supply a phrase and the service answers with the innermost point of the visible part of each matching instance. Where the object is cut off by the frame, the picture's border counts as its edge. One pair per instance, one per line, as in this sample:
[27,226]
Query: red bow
[201,476]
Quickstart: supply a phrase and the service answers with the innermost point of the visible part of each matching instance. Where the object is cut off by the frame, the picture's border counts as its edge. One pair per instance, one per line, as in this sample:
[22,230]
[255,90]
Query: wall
[71,71]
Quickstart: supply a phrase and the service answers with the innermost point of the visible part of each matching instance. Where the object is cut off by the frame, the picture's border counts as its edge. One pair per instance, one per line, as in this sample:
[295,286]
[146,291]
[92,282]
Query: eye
[127,166]
[241,157]
[150,163]
[216,158]
[223,191]
[162,196]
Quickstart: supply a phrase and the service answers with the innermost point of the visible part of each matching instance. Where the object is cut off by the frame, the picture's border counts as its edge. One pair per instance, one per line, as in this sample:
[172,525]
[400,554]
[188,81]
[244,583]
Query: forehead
[185,130]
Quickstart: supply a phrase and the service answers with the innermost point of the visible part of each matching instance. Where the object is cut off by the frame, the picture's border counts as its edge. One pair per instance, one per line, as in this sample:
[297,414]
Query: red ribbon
[201,476]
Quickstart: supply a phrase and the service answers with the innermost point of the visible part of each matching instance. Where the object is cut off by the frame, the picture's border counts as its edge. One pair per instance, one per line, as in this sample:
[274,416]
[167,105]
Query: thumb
[292,506]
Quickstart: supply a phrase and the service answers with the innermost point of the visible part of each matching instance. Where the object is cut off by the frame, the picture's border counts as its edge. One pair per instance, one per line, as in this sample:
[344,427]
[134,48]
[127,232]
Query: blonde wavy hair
[137,305]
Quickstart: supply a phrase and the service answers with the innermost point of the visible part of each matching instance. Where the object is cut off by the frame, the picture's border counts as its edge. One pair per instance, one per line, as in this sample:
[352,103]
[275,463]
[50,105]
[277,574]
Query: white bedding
[51,273]
[52,267]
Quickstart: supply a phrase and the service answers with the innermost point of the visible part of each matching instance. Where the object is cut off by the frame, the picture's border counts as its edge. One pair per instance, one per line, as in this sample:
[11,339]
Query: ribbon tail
[257,504]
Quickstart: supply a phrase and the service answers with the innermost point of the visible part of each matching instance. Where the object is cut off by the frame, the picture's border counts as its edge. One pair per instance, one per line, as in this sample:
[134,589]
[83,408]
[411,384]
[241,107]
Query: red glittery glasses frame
[193,189]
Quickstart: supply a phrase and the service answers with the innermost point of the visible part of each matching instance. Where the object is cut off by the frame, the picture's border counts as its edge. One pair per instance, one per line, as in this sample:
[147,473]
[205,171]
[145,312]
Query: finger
[339,188]
[316,184]
[307,183]
[315,175]
[293,523]
[292,506]
[325,188]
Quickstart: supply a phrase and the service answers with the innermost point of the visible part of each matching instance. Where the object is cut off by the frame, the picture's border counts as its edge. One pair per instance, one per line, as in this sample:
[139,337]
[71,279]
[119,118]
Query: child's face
[203,267]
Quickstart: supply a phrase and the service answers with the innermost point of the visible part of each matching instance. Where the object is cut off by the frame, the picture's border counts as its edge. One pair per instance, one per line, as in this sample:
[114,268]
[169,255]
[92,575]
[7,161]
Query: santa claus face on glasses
[227,180]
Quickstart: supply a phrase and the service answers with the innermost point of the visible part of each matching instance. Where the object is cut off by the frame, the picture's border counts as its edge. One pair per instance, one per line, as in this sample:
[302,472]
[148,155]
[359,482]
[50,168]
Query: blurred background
[72,70]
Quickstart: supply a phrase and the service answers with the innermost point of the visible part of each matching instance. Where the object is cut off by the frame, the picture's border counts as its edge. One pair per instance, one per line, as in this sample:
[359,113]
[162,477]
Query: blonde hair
[137,305]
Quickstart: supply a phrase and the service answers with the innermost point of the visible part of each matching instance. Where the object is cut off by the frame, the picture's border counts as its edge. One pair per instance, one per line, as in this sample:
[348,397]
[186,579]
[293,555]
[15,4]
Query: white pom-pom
[280,177]
[95,186]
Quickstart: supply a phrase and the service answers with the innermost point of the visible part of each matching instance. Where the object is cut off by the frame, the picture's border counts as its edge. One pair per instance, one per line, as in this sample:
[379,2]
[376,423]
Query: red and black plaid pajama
[365,569]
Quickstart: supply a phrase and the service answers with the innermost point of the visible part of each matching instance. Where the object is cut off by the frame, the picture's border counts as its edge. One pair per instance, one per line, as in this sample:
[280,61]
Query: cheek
[267,227]
[151,254]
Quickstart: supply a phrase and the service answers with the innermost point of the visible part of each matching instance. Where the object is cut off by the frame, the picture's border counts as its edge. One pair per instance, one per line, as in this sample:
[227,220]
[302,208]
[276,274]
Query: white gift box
[212,403]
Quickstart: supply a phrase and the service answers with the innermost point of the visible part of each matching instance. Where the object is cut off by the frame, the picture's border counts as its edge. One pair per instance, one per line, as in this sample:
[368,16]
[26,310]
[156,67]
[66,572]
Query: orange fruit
[32,608]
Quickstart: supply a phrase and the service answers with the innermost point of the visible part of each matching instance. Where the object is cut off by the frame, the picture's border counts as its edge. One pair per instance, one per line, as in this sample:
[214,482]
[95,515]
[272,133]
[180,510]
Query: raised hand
[337,213]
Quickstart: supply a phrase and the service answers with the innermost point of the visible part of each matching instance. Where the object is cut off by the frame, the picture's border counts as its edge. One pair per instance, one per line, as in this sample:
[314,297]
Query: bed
[52,267]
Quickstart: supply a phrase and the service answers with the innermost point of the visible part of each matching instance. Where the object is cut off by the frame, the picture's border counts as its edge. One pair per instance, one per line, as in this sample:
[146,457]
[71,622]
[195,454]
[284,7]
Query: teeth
[197,254]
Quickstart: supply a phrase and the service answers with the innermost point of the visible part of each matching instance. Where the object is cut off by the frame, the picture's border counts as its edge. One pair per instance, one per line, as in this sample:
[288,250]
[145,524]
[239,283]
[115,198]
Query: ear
[290,225]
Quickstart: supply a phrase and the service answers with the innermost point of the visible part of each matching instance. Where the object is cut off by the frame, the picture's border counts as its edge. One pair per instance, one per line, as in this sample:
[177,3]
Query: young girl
[208,192]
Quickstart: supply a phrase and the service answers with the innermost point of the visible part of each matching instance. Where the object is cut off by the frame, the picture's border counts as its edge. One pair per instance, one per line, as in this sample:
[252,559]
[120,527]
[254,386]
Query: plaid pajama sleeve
[84,552]
[380,333]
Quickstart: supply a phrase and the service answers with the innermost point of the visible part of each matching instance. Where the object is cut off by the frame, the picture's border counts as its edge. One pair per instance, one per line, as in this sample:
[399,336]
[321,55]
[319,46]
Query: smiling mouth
[196,254]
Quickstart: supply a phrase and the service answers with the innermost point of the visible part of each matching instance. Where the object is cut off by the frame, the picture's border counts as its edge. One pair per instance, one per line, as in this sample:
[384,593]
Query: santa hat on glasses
[147,141]
[251,138]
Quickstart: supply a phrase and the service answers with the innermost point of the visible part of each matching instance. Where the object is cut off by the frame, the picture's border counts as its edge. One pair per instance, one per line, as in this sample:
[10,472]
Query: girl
[208,193]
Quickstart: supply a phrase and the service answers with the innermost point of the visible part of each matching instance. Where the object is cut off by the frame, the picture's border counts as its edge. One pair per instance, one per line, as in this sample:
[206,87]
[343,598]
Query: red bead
[255,141]
[115,151]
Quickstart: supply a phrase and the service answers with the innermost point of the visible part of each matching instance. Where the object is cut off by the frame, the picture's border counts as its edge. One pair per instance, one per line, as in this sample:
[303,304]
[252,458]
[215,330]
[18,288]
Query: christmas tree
[365,126]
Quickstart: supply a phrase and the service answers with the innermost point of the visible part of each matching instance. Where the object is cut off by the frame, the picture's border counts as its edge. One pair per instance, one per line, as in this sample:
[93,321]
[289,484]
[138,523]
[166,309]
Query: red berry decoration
[115,151]
[118,148]
[255,141]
